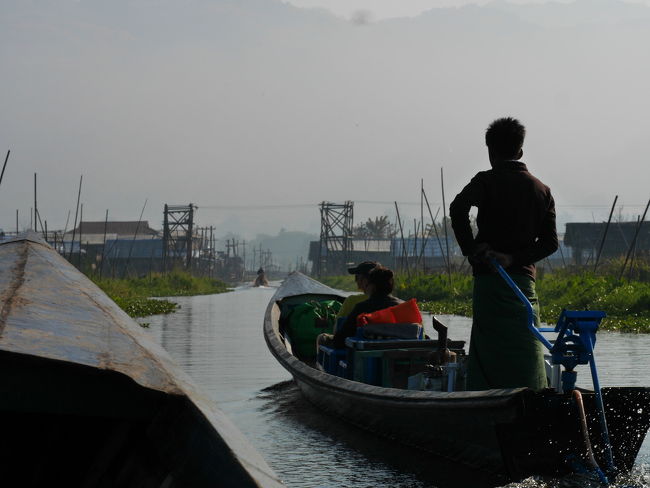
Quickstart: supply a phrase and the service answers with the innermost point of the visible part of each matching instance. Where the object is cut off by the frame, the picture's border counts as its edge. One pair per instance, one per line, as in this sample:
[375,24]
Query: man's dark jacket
[516,216]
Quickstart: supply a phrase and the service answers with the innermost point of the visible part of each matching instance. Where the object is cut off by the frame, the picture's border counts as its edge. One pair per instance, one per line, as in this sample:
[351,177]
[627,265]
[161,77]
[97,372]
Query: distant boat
[88,399]
[260,279]
[506,434]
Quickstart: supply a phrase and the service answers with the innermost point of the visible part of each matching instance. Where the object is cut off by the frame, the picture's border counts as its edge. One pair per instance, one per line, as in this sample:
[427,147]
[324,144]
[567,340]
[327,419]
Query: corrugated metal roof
[122,228]
[136,249]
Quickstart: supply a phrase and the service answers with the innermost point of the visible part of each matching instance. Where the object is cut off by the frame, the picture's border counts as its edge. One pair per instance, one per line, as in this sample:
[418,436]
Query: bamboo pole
[101,265]
[4,166]
[35,207]
[435,228]
[424,243]
[37,214]
[634,249]
[404,254]
[67,220]
[633,243]
[602,242]
[562,253]
[444,222]
[76,214]
[137,227]
[81,220]
[422,225]
[415,244]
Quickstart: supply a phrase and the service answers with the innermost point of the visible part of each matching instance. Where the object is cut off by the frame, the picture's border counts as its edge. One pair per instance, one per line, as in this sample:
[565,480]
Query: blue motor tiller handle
[592,365]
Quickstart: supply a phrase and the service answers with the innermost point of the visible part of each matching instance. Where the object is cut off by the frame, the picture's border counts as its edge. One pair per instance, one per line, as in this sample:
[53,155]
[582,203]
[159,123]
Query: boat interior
[391,355]
[69,425]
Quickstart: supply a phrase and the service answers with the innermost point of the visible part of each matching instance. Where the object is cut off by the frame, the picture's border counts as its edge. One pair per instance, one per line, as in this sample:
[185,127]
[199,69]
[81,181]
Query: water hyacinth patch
[627,303]
[133,295]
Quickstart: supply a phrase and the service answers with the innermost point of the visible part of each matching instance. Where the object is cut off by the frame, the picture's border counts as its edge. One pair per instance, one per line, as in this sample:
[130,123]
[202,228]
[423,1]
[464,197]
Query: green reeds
[626,302]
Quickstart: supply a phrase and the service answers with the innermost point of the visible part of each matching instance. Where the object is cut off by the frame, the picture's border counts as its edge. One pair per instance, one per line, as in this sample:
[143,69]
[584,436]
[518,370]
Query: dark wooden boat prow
[88,399]
[508,434]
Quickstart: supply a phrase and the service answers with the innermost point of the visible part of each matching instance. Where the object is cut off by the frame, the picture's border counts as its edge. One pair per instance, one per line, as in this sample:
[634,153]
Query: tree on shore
[375,228]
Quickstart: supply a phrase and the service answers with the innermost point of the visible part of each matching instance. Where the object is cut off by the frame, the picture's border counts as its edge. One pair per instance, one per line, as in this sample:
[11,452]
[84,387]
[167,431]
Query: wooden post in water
[602,242]
[16,222]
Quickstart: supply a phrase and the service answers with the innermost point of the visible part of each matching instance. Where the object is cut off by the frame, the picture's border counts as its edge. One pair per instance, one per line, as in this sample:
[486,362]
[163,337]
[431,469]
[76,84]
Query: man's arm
[470,196]
[546,243]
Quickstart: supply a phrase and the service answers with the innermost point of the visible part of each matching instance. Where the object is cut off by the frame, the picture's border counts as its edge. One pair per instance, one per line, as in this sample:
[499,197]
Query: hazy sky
[384,9]
[263,105]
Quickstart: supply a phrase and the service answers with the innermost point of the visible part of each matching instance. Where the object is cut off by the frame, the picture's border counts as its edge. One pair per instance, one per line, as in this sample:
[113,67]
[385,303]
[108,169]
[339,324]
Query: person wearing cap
[379,288]
[360,272]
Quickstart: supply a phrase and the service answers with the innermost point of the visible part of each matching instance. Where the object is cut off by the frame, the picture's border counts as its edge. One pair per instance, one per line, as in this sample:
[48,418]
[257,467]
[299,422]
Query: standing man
[516,226]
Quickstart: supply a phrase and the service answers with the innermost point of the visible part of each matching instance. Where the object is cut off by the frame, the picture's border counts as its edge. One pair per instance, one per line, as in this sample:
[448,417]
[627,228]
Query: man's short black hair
[505,137]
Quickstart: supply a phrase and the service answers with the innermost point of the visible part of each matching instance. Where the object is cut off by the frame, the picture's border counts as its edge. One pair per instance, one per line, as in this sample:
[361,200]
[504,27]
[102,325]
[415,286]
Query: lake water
[218,341]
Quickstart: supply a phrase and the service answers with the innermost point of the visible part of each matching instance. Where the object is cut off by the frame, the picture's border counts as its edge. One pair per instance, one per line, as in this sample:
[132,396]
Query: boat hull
[509,434]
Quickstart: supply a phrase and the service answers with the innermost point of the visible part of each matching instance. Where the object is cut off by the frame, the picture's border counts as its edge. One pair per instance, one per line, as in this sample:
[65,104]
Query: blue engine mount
[574,345]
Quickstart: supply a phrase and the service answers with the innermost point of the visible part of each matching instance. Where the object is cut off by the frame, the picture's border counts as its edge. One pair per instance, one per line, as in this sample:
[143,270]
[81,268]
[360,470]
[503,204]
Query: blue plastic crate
[329,359]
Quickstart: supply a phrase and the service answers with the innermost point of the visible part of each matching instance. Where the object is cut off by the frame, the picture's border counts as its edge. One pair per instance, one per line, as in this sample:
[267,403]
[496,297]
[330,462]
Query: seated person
[380,286]
[360,273]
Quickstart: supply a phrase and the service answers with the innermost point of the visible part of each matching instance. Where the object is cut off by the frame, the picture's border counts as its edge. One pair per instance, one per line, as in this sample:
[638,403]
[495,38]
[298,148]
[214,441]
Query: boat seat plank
[373,344]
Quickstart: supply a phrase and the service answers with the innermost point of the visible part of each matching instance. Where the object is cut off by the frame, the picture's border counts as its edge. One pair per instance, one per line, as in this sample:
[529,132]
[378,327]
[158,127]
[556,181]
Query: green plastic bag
[307,321]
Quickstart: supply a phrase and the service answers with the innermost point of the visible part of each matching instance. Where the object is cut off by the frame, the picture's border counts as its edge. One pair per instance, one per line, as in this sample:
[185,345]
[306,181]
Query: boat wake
[639,477]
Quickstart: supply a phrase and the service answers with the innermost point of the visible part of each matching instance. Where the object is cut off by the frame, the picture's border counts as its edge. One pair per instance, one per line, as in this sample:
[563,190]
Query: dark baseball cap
[363,268]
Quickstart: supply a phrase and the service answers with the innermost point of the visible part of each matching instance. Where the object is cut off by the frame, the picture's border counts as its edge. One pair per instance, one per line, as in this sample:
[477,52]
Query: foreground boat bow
[88,399]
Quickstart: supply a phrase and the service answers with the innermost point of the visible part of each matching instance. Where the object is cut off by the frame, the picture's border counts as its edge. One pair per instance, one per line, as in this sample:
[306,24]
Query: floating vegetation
[627,303]
[143,307]
[133,295]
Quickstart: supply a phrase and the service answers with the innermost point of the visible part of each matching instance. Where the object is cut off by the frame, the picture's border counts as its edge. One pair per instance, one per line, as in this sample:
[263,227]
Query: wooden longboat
[88,399]
[506,434]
